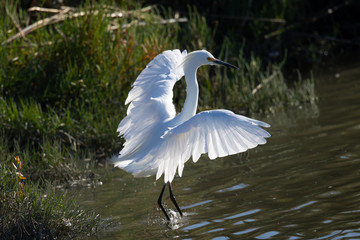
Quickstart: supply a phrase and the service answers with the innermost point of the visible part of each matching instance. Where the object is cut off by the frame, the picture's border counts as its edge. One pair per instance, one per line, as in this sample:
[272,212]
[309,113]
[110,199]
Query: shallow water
[303,184]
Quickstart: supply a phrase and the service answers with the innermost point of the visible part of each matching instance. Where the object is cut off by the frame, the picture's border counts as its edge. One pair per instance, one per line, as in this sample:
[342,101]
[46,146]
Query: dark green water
[303,184]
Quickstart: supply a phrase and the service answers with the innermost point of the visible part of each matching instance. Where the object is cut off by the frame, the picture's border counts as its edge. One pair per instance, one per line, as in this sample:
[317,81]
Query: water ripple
[196,225]
[196,204]
[243,214]
[267,235]
[233,188]
[303,205]
[245,231]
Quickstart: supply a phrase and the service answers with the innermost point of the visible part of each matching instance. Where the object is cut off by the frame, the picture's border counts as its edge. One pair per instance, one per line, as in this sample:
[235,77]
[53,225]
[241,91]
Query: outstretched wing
[150,99]
[218,133]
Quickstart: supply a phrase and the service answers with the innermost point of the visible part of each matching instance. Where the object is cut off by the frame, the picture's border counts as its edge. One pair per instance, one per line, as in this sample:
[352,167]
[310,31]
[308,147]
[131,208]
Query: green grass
[34,213]
[62,93]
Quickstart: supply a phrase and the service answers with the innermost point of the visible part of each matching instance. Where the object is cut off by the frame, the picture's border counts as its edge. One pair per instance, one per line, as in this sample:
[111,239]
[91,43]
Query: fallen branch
[263,82]
[46,10]
[17,26]
[114,14]
[41,23]
[142,23]
[65,14]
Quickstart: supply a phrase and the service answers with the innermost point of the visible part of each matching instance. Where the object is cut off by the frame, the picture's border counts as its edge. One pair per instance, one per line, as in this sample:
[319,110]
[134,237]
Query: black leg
[160,202]
[172,197]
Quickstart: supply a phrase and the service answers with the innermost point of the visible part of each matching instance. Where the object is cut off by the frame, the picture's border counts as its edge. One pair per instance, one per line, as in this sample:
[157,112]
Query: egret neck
[192,93]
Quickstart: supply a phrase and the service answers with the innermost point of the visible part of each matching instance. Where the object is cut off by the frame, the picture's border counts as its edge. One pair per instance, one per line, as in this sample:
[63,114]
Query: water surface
[303,184]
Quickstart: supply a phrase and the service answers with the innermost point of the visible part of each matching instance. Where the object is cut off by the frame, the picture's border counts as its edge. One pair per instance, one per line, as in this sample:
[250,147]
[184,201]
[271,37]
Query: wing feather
[150,103]
[218,132]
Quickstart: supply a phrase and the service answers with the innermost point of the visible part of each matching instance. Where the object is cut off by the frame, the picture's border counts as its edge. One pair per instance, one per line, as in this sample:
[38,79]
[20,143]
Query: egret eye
[210,59]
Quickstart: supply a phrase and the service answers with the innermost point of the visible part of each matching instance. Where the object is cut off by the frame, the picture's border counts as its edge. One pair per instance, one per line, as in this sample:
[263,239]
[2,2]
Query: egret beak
[219,62]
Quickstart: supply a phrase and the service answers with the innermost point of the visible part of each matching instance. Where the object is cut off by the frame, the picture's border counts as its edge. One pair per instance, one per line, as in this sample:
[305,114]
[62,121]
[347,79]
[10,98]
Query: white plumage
[157,141]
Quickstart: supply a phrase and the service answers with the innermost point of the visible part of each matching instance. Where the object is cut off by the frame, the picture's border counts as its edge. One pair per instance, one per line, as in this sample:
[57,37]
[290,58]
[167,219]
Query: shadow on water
[303,184]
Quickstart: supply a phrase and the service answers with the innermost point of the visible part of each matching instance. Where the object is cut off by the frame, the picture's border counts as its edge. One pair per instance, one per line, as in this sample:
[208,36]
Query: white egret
[157,141]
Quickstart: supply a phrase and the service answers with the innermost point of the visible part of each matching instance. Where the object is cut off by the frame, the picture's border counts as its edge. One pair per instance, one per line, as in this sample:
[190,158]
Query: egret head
[203,57]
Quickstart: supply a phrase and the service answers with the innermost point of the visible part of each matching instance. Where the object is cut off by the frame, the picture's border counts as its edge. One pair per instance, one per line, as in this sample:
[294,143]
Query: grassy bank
[63,86]
[30,211]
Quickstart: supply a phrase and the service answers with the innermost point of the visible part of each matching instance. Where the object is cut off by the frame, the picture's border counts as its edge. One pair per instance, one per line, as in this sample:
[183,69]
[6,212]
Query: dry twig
[41,23]
[66,13]
[263,82]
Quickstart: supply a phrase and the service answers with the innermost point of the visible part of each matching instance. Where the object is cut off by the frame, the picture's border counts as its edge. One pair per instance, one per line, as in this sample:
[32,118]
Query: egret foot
[172,197]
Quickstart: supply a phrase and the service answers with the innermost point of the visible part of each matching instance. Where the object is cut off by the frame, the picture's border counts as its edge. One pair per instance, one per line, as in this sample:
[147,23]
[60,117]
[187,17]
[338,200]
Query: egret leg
[172,197]
[160,202]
